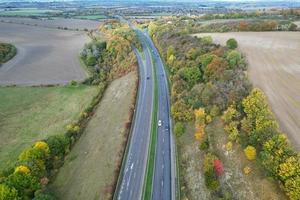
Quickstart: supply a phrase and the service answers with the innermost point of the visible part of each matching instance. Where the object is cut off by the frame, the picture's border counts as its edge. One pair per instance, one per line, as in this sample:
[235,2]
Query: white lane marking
[163,140]
[163,152]
[129,176]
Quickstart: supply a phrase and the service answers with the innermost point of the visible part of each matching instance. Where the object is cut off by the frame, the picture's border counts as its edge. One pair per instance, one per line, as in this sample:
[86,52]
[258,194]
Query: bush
[232,130]
[43,196]
[207,40]
[8,193]
[250,152]
[7,51]
[25,184]
[91,61]
[58,145]
[210,175]
[218,167]
[204,144]
[234,58]
[179,129]
[232,43]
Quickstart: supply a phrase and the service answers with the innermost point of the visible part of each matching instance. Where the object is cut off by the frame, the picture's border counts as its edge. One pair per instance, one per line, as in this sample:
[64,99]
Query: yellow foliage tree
[171,59]
[290,168]
[200,118]
[41,145]
[22,169]
[200,132]
[230,114]
[250,152]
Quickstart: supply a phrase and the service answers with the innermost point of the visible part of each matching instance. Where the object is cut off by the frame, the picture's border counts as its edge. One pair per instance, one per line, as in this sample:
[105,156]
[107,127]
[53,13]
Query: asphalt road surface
[164,174]
[131,183]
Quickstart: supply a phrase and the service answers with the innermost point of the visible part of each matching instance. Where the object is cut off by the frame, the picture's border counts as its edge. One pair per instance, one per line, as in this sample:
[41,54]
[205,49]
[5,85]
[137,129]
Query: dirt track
[274,66]
[45,56]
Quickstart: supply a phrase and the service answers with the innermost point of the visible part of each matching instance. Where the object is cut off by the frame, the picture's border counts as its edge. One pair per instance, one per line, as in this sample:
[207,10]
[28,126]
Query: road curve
[164,173]
[132,177]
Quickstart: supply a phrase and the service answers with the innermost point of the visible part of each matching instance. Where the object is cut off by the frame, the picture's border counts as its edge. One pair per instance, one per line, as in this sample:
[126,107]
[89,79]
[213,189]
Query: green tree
[234,58]
[191,75]
[25,184]
[8,193]
[179,129]
[292,27]
[207,40]
[205,60]
[232,43]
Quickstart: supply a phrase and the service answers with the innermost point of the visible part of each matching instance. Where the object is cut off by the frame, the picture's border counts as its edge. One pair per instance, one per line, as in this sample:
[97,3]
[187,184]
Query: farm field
[27,12]
[90,168]
[55,22]
[28,114]
[44,56]
[274,66]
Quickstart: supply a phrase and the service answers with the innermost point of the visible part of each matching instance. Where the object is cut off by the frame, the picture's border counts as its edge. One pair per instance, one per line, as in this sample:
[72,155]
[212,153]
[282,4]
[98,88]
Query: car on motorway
[148,77]
[159,123]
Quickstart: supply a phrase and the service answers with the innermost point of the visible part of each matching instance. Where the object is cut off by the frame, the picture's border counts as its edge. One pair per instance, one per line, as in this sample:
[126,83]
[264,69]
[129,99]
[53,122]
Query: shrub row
[259,132]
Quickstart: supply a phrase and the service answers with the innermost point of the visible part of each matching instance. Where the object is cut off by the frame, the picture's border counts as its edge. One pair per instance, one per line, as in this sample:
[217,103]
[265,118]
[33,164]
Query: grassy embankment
[92,165]
[29,114]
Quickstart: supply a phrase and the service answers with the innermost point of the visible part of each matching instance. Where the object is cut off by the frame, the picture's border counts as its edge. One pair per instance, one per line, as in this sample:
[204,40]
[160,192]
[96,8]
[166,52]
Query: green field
[27,12]
[28,114]
[90,17]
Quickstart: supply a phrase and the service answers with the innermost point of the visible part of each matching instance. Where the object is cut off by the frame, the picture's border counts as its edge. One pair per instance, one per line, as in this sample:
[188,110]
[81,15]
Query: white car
[159,123]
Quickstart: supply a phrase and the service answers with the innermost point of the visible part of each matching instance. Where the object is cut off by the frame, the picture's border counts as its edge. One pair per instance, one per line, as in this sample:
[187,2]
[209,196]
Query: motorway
[131,180]
[164,178]
[164,172]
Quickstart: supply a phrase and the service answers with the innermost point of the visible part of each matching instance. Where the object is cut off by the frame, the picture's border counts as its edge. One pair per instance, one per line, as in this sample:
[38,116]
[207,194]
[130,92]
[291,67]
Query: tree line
[209,81]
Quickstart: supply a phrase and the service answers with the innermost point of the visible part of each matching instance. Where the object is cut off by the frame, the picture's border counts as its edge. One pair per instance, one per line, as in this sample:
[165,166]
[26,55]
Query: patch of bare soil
[274,66]
[90,168]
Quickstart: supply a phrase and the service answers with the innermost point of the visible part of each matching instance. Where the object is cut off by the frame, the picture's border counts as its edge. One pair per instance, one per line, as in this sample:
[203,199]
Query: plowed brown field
[45,56]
